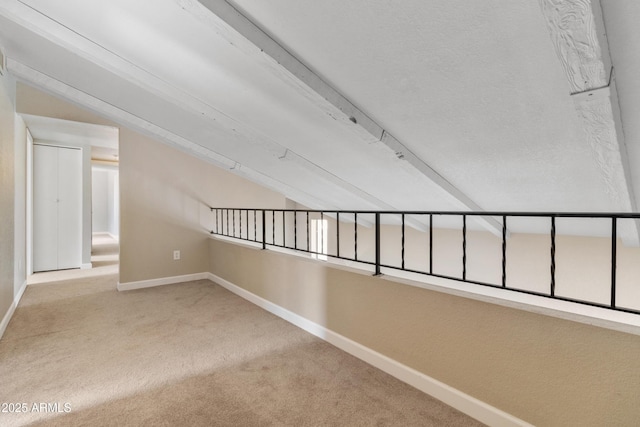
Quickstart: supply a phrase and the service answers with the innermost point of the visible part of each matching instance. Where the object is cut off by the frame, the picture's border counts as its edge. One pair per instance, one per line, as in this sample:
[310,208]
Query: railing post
[553,256]
[464,247]
[337,234]
[308,246]
[402,242]
[264,229]
[322,232]
[355,235]
[614,238]
[377,244]
[504,251]
[295,230]
[430,243]
[239,223]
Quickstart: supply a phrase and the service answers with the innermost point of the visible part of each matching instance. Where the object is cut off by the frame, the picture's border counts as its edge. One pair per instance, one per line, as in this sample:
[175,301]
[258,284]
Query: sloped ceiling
[445,105]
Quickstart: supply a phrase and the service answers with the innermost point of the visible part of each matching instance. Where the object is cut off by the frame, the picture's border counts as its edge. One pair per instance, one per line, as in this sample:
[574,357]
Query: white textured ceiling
[474,90]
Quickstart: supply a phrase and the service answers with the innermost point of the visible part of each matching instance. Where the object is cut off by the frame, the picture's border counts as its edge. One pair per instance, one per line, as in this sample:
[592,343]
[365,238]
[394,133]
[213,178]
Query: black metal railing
[292,229]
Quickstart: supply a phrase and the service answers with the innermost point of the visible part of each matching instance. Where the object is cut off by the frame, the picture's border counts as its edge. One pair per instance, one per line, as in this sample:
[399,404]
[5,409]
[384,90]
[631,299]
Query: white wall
[12,202]
[20,207]
[113,203]
[29,204]
[98,200]
[7,191]
[106,200]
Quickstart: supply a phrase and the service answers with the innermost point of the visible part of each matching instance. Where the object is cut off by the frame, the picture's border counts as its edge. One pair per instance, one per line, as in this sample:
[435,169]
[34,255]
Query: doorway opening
[95,183]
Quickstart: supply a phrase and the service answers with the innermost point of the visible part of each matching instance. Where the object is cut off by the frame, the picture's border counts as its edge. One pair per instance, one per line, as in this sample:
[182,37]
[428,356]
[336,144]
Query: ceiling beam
[322,94]
[577,31]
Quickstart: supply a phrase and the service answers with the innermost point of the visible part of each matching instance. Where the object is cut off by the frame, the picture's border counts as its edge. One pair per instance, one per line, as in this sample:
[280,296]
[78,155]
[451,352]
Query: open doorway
[105,214]
[105,200]
[98,250]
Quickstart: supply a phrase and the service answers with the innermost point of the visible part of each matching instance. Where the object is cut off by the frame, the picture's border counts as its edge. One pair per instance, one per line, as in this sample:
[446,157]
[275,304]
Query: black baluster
[464,247]
[337,234]
[322,232]
[553,256]
[264,229]
[614,245]
[504,251]
[308,247]
[403,241]
[430,244]
[377,271]
[355,235]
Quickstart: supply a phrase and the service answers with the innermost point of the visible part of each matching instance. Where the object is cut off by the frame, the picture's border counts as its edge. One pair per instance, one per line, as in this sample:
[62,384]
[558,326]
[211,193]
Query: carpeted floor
[186,354]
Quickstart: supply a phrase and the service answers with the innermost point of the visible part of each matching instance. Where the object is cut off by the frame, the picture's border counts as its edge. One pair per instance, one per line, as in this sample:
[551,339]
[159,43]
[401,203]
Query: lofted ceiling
[365,104]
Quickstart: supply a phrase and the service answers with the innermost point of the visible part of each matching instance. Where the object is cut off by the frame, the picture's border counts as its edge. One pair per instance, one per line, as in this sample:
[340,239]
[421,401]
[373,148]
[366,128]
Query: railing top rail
[604,215]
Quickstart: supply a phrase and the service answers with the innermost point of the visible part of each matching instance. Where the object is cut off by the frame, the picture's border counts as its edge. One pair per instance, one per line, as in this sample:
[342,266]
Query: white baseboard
[86,266]
[128,286]
[18,297]
[114,237]
[12,308]
[455,398]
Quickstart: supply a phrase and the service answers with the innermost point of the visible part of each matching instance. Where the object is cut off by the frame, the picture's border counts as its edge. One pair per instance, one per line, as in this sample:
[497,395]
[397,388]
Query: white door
[57,208]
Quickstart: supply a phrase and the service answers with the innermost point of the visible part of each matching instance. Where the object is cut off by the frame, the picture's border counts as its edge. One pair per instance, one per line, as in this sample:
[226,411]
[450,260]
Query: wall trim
[12,308]
[141,284]
[86,266]
[455,398]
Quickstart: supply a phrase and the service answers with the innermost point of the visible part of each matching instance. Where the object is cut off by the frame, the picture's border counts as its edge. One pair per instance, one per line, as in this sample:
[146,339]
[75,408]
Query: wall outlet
[176,255]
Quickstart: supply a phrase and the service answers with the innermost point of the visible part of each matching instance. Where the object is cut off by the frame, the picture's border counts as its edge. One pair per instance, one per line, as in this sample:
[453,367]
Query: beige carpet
[187,354]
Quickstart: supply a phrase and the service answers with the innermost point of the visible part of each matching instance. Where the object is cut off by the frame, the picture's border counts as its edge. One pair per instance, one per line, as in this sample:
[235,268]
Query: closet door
[69,208]
[45,208]
[57,208]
